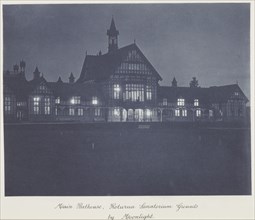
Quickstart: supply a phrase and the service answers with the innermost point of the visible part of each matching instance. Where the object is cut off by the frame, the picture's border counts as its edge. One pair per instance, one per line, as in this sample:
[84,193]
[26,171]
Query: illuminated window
[97,112]
[177,112]
[47,106]
[94,100]
[196,102]
[148,113]
[42,88]
[236,93]
[7,105]
[184,112]
[71,111]
[80,111]
[210,113]
[135,92]
[116,112]
[198,112]
[75,100]
[164,101]
[180,102]
[21,104]
[36,101]
[116,91]
[57,100]
[148,92]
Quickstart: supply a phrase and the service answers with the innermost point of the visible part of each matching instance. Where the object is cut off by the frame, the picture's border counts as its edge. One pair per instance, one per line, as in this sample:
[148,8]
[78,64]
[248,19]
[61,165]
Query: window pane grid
[116,91]
[135,92]
[46,106]
[180,102]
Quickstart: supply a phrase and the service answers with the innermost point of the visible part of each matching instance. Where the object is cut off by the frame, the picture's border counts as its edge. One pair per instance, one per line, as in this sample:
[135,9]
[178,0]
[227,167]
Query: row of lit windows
[148,112]
[37,104]
[183,112]
[77,100]
[181,102]
[134,92]
[80,111]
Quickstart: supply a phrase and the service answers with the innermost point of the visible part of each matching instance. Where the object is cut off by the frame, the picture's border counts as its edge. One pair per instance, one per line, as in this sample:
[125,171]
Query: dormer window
[94,100]
[196,102]
[75,100]
[165,101]
[116,91]
[181,102]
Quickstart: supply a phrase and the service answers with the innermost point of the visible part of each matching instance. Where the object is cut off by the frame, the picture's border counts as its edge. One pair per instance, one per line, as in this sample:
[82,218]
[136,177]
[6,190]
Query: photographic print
[126,99]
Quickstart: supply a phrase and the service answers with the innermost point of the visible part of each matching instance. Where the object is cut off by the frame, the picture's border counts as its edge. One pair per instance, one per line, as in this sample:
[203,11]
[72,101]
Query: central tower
[112,37]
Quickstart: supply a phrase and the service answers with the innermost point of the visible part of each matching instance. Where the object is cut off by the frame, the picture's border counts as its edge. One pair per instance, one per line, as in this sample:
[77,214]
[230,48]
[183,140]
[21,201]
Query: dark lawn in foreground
[80,160]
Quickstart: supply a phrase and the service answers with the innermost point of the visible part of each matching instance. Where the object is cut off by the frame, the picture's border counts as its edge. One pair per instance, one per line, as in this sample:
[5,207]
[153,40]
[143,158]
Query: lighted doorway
[138,115]
[124,115]
[130,116]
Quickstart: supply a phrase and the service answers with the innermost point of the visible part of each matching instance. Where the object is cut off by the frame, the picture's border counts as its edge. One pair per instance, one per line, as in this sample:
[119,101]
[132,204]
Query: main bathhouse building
[119,86]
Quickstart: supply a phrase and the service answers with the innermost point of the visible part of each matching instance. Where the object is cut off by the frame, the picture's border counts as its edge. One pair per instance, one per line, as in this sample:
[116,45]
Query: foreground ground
[125,159]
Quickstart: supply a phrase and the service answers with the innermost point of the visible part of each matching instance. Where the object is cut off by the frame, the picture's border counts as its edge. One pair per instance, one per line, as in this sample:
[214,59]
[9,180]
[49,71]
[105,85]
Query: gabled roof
[215,94]
[23,88]
[189,94]
[222,93]
[100,67]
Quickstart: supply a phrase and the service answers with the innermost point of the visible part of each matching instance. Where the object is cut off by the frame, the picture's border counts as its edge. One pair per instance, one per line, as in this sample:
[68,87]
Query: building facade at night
[119,86]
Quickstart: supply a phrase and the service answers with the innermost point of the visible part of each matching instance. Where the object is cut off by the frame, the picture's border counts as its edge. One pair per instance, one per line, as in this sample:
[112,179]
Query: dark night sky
[209,41]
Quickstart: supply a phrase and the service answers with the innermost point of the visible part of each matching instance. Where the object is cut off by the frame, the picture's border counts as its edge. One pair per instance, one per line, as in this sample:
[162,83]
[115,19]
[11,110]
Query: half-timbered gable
[128,79]
[228,101]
